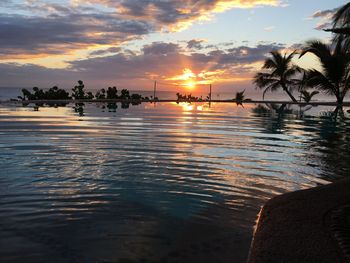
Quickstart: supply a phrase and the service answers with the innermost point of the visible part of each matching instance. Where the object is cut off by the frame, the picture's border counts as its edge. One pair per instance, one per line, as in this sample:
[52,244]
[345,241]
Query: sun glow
[187,75]
[191,80]
[187,79]
[190,85]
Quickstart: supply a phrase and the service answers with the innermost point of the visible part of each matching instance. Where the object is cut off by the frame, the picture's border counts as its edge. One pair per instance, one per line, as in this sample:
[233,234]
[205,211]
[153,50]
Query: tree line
[79,93]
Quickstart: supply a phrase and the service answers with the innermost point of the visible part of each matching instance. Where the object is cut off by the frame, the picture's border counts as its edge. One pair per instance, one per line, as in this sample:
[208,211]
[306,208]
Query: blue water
[154,183]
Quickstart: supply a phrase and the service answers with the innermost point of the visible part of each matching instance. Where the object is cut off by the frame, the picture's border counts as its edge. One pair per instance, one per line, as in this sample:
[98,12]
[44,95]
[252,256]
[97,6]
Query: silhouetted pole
[154,90]
[210,92]
[210,95]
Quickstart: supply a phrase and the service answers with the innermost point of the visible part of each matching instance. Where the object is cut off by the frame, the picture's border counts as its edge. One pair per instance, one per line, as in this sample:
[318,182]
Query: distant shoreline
[314,103]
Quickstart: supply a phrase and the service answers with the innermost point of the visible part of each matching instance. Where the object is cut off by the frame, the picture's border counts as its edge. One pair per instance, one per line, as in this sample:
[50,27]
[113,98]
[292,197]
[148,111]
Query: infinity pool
[154,183]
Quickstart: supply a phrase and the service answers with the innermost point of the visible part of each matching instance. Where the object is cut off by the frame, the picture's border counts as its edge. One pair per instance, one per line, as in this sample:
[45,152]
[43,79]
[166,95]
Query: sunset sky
[131,43]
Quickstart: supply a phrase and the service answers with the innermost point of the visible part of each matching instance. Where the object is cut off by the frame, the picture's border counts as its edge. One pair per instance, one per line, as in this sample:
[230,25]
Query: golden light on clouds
[185,76]
[222,6]
[186,79]
[206,13]
[190,85]
[190,80]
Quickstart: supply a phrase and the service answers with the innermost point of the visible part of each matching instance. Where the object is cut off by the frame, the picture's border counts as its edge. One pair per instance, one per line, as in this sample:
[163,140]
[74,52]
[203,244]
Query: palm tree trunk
[340,99]
[289,94]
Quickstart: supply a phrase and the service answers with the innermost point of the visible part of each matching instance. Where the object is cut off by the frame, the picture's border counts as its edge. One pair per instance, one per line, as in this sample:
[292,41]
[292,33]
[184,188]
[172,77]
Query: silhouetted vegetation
[112,93]
[38,94]
[125,94]
[280,73]
[187,98]
[334,77]
[78,92]
[89,95]
[341,25]
[240,98]
[53,94]
[101,94]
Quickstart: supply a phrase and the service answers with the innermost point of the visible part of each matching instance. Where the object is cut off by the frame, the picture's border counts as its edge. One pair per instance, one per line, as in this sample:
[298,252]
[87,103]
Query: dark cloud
[105,51]
[161,48]
[158,60]
[195,44]
[58,34]
[29,75]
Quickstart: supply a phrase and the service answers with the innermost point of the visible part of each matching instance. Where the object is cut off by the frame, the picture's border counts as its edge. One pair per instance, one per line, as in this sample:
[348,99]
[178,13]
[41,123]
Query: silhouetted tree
[89,95]
[280,74]
[26,95]
[112,93]
[39,94]
[55,93]
[136,97]
[335,75]
[125,94]
[78,91]
[101,94]
[239,98]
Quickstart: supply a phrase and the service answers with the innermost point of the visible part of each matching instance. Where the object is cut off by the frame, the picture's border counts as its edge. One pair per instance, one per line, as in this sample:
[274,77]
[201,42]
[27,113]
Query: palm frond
[342,16]
[261,80]
[318,48]
[318,80]
[271,87]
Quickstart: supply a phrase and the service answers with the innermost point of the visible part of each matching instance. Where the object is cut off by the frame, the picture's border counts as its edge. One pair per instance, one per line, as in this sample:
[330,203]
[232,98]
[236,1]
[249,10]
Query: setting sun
[190,84]
[187,79]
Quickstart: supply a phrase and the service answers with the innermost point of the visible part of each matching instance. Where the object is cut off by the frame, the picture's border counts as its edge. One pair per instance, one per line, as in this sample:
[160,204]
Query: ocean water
[154,183]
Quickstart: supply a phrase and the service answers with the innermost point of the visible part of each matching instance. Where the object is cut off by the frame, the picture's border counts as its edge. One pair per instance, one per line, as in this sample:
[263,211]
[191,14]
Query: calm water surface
[164,183]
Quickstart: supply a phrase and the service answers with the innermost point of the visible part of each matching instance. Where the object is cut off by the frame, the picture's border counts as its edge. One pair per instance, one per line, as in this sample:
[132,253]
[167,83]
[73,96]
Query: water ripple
[151,182]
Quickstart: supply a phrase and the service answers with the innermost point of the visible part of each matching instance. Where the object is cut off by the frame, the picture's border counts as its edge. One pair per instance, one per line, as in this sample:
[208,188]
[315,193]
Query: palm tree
[335,74]
[341,25]
[341,21]
[280,73]
[240,98]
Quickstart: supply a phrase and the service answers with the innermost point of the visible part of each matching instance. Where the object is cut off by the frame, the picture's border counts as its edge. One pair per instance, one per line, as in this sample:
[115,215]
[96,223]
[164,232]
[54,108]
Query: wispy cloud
[269,28]
[325,18]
